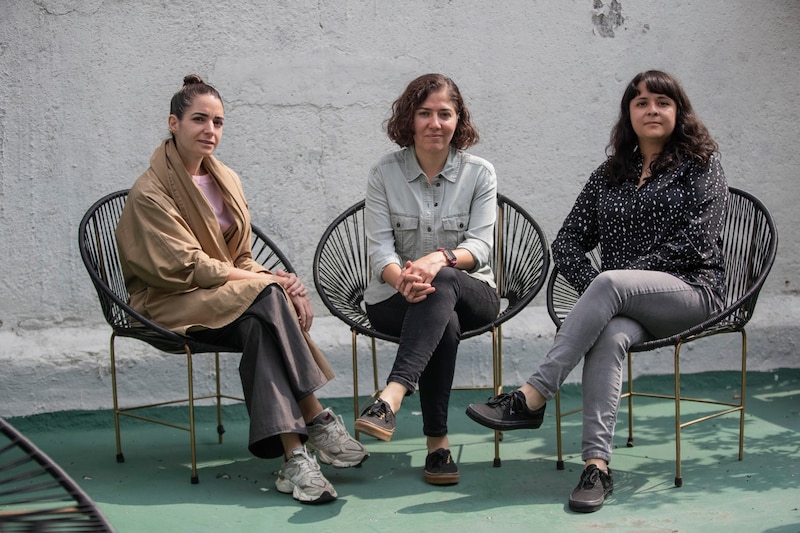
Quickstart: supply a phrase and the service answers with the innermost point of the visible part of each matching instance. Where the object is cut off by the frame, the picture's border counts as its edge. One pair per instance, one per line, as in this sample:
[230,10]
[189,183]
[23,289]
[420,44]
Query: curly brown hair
[689,140]
[400,126]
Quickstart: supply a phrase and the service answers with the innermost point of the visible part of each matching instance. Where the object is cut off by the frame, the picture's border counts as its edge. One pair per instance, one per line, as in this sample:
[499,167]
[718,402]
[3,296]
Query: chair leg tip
[630,443]
[195,480]
[678,481]
[497,462]
[120,458]
[559,465]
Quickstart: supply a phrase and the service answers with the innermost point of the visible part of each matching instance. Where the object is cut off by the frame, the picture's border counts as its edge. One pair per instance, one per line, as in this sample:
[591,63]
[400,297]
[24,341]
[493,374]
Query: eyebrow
[205,115]
[657,95]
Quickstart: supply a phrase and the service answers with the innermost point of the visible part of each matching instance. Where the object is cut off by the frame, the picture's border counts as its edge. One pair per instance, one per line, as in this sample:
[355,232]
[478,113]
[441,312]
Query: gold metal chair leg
[744,395]
[631,441]
[354,335]
[195,479]
[678,478]
[497,364]
[120,457]
[220,427]
[560,459]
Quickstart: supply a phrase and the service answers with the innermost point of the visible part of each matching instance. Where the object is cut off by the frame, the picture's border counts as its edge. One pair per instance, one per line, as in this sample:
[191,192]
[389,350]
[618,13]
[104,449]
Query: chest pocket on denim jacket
[454,228]
[405,234]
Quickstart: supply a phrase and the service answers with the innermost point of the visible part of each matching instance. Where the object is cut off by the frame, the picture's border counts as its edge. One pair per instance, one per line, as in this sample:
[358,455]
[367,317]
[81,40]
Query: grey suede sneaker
[506,411]
[301,477]
[592,490]
[328,436]
[440,469]
[377,421]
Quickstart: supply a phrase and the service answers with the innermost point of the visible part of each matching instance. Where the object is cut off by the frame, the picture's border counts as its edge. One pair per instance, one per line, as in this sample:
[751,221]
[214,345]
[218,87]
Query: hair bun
[191,79]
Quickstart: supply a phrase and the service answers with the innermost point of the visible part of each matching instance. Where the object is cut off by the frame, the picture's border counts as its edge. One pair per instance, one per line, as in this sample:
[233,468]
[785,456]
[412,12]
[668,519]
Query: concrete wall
[84,93]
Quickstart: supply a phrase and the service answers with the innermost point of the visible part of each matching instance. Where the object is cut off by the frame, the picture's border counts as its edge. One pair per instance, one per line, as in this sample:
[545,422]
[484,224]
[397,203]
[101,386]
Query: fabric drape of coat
[175,258]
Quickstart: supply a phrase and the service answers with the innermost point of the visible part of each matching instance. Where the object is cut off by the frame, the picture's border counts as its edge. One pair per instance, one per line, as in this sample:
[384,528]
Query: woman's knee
[445,277]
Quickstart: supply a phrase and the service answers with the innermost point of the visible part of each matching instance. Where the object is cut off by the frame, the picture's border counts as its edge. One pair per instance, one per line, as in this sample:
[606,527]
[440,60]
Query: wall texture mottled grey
[84,99]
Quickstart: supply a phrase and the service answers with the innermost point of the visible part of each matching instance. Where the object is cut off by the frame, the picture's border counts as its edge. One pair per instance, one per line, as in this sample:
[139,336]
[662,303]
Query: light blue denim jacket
[408,217]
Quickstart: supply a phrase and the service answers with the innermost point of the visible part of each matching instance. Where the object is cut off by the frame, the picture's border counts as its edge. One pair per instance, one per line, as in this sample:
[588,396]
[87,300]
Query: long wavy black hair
[689,140]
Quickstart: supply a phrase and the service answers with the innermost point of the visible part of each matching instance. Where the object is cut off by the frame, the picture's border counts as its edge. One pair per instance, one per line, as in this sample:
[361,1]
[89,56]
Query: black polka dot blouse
[672,223]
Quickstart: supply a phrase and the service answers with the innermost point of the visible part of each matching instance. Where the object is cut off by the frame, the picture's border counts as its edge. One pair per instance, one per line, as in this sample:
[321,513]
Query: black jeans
[429,334]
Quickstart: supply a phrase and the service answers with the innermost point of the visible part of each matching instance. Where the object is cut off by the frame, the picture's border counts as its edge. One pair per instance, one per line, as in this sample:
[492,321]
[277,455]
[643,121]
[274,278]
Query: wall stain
[607,17]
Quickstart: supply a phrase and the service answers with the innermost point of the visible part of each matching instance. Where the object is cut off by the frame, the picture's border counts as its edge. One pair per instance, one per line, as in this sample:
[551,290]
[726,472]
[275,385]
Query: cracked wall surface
[84,96]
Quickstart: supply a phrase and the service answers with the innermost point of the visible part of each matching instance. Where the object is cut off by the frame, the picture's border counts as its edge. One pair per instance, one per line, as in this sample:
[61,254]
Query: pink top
[211,191]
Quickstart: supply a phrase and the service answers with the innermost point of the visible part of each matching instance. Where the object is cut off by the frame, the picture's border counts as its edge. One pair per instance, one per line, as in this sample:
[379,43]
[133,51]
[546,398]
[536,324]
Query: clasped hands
[414,281]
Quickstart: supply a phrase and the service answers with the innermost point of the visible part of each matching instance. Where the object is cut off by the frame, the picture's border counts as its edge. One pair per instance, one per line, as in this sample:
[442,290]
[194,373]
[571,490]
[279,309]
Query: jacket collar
[413,171]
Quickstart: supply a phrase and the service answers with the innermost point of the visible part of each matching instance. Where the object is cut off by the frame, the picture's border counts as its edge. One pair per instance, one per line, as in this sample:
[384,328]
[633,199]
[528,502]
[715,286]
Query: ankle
[599,463]
[533,398]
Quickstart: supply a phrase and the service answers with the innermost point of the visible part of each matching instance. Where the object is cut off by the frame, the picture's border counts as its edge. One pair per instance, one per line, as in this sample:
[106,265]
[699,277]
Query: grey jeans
[619,309]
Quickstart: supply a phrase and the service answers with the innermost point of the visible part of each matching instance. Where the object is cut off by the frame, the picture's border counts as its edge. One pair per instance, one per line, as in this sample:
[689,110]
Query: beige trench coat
[174,257]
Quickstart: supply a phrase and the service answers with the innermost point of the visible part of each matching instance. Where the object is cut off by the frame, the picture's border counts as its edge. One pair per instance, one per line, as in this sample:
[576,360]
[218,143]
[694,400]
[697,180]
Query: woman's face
[199,132]
[435,122]
[652,116]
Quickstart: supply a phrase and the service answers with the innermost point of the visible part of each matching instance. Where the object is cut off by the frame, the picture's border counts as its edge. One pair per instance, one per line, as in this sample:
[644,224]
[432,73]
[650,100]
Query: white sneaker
[333,444]
[301,477]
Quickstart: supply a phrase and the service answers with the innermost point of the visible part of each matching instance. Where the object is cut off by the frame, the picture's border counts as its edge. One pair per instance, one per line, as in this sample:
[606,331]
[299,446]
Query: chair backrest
[37,494]
[749,246]
[98,247]
[342,270]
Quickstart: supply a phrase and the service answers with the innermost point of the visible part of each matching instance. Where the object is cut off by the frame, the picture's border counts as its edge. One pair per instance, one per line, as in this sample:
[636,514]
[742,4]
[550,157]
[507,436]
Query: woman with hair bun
[656,207]
[184,243]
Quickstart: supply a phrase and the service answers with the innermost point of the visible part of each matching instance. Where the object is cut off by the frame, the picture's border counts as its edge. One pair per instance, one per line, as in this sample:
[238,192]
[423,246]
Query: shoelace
[379,409]
[508,400]
[439,459]
[308,466]
[590,477]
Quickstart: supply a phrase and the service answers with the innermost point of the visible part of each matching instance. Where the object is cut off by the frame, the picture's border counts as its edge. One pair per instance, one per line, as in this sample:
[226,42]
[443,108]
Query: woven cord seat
[37,495]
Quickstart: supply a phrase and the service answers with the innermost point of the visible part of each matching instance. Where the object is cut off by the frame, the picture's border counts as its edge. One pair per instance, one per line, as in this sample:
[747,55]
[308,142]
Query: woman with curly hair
[656,208]
[430,215]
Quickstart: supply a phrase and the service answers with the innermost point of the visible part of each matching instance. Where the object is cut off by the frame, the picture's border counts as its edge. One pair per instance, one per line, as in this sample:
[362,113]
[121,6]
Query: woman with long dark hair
[656,207]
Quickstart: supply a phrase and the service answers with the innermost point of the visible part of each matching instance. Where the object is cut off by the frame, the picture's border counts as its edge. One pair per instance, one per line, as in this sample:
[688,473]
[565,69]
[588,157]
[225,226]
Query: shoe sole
[373,430]
[336,463]
[501,426]
[287,487]
[587,508]
[442,479]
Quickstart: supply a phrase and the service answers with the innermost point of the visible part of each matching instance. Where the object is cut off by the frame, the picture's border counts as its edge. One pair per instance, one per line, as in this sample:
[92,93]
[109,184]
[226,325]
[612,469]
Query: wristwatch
[452,260]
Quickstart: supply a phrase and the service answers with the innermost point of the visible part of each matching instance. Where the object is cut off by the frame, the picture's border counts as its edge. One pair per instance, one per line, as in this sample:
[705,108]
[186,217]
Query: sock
[325,417]
[300,450]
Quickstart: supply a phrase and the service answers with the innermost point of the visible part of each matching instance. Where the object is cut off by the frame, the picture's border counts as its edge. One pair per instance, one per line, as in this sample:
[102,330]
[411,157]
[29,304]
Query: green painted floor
[151,492]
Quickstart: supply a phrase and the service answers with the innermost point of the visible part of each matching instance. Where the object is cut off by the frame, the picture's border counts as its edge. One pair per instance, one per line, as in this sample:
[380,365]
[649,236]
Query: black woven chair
[98,248]
[750,242]
[37,495]
[341,273]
